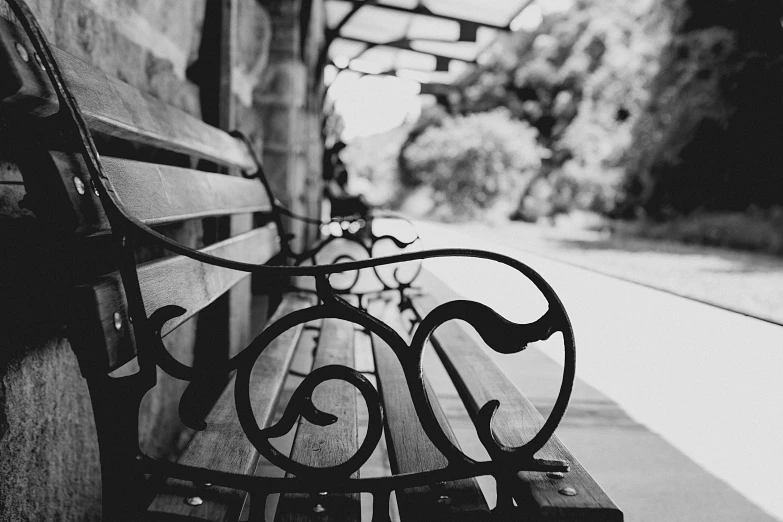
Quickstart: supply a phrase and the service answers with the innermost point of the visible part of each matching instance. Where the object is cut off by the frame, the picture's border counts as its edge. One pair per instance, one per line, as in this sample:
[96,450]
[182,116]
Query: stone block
[49,467]
[145,43]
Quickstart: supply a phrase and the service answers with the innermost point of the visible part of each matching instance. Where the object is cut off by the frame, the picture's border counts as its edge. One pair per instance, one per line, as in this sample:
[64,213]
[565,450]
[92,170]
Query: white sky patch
[556,6]
[366,66]
[341,61]
[528,20]
[374,104]
[418,76]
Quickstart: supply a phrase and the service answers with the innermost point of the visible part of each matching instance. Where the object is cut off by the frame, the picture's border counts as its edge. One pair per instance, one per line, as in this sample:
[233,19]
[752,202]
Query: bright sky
[373,104]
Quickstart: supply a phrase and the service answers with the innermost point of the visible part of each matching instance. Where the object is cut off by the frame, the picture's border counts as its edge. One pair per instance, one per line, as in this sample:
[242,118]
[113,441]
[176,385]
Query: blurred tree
[471,162]
[648,108]
[432,116]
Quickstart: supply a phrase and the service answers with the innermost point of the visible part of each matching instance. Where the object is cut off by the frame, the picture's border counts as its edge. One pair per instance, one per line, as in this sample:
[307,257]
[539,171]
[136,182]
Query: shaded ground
[746,282]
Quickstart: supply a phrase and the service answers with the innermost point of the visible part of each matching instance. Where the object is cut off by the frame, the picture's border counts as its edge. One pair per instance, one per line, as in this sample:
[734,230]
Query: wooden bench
[119,319]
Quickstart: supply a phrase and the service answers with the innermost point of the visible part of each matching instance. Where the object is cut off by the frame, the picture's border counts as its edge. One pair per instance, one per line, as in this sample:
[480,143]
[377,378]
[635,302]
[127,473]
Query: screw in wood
[568,492]
[444,500]
[194,501]
[319,508]
[79,185]
[117,321]
[23,54]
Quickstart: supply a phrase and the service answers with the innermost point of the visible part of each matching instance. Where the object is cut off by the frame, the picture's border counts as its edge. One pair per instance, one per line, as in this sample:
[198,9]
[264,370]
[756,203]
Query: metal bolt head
[79,185]
[194,501]
[117,321]
[319,508]
[555,475]
[23,54]
[568,492]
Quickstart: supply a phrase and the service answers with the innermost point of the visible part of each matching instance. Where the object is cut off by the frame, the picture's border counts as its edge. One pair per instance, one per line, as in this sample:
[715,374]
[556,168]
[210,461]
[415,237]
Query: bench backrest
[156,193]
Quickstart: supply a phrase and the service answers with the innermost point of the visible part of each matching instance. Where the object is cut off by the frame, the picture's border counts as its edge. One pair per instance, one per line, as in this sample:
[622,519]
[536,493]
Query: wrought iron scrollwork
[500,334]
[365,242]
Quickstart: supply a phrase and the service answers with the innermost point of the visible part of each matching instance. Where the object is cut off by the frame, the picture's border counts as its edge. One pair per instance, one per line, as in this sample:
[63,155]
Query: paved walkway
[744,281]
[677,410]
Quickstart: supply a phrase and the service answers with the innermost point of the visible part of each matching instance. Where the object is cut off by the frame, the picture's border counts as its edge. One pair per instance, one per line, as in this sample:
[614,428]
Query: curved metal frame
[500,334]
[367,241]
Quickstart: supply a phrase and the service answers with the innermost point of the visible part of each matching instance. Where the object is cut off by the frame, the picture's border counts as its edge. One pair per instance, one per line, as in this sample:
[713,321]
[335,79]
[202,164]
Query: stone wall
[291,111]
[49,467]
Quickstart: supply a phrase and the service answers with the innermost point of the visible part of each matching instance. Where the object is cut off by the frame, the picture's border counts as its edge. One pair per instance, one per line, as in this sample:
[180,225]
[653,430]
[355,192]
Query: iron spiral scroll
[360,233]
[500,334]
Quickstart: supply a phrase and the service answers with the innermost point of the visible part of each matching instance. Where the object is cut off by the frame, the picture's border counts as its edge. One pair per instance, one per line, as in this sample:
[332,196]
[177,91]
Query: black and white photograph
[391,260]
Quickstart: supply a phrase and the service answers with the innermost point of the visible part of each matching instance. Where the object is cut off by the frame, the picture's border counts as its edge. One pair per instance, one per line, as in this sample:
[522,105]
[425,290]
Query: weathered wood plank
[478,380]
[223,445]
[159,194]
[102,313]
[117,109]
[410,450]
[327,446]
[240,297]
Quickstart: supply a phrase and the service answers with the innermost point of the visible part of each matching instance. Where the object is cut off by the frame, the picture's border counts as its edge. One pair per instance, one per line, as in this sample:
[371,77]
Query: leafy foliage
[472,162]
[654,108]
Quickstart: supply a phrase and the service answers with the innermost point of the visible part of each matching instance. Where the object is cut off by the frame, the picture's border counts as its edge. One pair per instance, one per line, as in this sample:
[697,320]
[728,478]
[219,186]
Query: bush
[432,116]
[473,162]
[754,229]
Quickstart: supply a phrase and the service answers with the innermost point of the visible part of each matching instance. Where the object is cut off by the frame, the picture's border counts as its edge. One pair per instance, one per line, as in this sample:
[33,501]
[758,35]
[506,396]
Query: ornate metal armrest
[500,334]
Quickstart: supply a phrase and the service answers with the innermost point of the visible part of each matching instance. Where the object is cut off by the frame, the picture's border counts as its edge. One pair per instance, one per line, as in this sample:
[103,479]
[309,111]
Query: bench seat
[121,314]
[223,445]
[478,379]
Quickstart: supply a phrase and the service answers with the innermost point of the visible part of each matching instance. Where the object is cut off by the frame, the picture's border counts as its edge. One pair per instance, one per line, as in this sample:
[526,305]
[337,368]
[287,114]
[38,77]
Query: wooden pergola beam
[424,11]
[402,43]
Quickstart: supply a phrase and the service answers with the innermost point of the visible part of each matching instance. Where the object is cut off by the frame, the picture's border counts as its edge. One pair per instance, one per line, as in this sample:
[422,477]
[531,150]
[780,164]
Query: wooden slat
[223,445]
[177,281]
[160,194]
[410,450]
[240,297]
[113,107]
[327,446]
[478,380]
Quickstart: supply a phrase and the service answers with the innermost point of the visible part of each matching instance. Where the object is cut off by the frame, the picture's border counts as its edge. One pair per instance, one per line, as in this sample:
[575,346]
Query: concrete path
[677,413]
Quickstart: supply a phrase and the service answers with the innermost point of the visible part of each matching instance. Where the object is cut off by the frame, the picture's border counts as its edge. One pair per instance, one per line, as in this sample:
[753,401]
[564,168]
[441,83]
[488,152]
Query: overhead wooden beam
[402,43]
[424,11]
[436,88]
[334,32]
